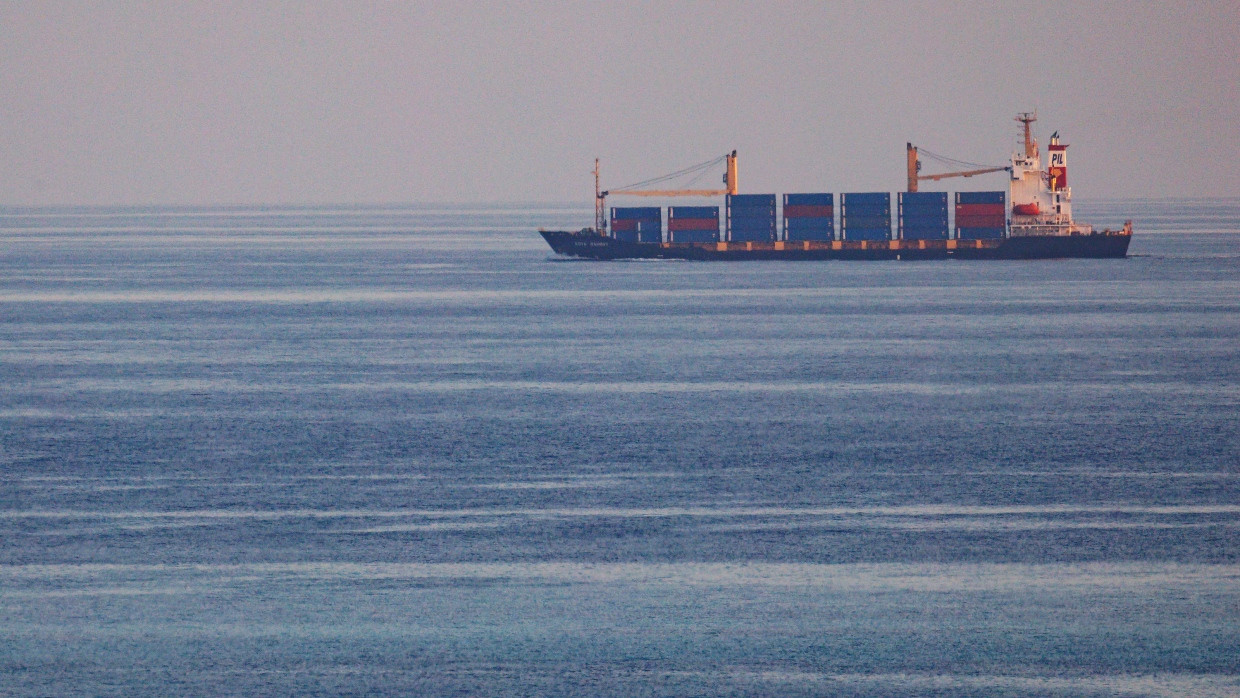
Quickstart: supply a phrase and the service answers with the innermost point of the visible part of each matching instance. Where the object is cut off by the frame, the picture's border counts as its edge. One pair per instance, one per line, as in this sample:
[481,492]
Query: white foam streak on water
[622,512]
[1151,685]
[64,483]
[976,525]
[869,578]
[286,294]
[850,387]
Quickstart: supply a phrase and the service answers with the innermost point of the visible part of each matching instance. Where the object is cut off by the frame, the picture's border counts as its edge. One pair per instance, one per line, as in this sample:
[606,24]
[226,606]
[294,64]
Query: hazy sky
[311,102]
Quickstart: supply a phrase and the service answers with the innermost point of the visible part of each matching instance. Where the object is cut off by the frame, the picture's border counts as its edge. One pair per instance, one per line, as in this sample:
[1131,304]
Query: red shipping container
[980,210]
[624,225]
[678,224]
[808,211]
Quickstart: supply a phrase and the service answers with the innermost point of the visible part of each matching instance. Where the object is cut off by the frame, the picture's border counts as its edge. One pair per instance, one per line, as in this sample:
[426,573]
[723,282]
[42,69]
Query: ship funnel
[1057,163]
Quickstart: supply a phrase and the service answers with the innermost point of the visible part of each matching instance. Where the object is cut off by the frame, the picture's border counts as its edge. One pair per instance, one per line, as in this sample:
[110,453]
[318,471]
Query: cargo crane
[914,168]
[600,197]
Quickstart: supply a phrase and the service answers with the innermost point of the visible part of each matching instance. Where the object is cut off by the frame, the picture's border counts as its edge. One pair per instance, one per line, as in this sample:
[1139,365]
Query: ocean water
[403,449]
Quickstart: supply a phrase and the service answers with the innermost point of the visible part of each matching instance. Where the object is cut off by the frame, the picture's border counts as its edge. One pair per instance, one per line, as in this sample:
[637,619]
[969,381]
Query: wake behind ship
[1031,220]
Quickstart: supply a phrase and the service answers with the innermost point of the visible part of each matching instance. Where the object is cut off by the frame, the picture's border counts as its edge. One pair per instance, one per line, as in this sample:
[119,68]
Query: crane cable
[953,162]
[699,169]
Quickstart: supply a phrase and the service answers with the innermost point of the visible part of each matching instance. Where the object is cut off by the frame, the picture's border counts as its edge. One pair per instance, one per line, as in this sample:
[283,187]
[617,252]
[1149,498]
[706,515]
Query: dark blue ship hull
[588,244]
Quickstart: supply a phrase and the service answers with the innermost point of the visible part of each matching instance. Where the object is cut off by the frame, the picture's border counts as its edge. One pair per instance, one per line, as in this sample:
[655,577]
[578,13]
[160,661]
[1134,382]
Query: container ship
[1031,220]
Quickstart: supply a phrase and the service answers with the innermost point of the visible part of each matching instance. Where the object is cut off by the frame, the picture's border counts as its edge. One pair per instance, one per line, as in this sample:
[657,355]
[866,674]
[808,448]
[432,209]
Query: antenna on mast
[1031,146]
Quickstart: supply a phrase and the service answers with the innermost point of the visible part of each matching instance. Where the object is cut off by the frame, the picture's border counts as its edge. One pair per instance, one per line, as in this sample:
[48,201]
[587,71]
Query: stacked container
[866,216]
[923,215]
[693,223]
[751,217]
[809,217]
[637,224]
[981,214]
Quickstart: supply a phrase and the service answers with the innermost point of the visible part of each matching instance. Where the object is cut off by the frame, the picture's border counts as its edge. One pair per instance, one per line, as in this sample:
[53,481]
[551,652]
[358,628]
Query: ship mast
[599,203]
[1031,146]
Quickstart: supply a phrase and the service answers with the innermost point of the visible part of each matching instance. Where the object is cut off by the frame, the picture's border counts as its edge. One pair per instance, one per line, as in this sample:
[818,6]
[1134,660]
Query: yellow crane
[915,176]
[600,197]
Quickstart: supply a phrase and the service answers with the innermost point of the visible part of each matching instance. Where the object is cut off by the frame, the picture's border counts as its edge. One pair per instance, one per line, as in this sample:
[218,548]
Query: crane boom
[600,197]
[966,173]
[671,192]
[914,168]
[729,179]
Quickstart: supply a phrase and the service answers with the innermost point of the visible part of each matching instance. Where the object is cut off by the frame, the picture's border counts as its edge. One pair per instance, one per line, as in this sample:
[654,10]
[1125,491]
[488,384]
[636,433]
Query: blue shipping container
[854,211]
[751,201]
[694,236]
[751,214]
[867,233]
[924,234]
[868,205]
[809,199]
[818,235]
[809,229]
[752,224]
[923,198]
[763,212]
[861,198]
[809,224]
[752,235]
[928,216]
[923,211]
[767,221]
[938,232]
[693,211]
[750,219]
[912,224]
[981,197]
[636,213]
[871,221]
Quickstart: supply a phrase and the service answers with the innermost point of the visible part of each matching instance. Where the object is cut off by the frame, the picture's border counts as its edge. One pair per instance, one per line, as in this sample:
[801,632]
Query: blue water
[404,450]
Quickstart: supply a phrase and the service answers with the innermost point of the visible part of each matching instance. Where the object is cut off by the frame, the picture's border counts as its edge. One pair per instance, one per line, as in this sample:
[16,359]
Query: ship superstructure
[1041,198]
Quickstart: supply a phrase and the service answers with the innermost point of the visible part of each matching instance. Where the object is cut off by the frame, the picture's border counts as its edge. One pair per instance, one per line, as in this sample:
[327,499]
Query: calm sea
[404,450]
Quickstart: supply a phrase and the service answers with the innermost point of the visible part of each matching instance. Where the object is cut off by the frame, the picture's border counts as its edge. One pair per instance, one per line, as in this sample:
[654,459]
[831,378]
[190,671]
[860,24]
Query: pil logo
[1058,159]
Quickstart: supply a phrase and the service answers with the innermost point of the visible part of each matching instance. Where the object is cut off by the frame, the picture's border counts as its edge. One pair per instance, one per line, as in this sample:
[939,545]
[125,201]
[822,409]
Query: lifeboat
[1026,209]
